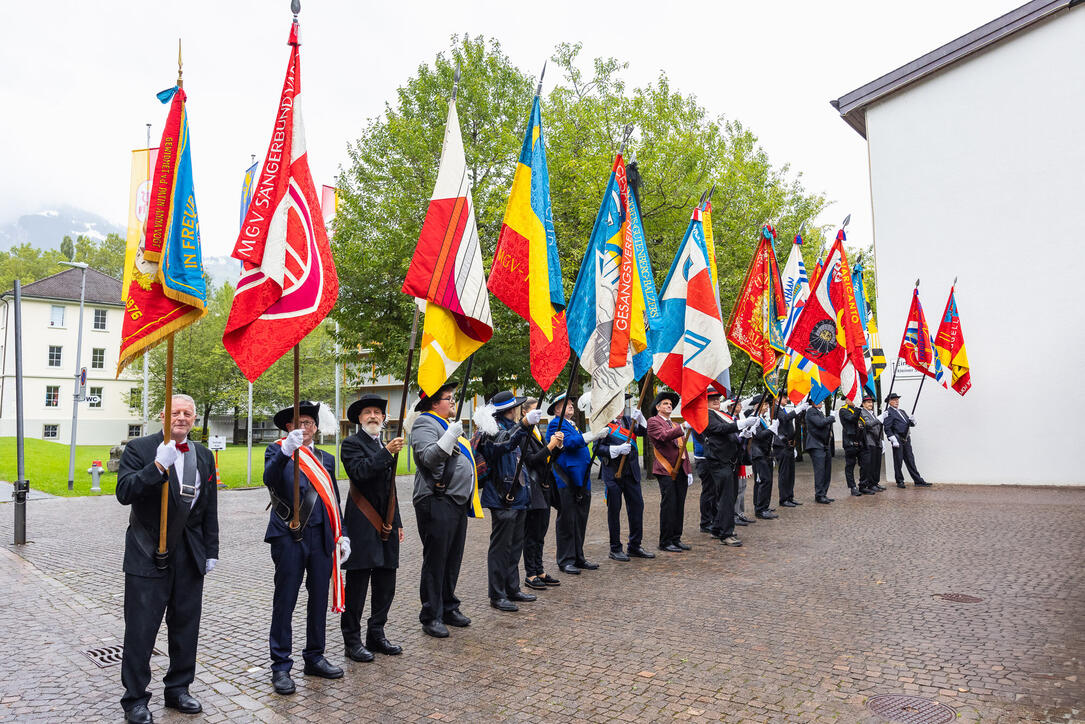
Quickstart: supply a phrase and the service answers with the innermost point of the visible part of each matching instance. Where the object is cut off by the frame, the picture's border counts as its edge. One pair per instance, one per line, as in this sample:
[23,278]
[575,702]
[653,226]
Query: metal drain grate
[910,709]
[958,597]
[110,655]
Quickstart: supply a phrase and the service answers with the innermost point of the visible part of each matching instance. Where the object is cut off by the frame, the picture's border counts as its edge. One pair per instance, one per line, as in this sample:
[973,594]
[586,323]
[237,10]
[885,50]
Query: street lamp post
[78,362]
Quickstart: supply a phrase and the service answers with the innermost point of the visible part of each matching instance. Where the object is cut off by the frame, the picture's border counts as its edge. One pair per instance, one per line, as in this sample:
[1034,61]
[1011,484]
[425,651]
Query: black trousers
[672,507]
[852,458]
[823,468]
[785,472]
[384,590]
[726,479]
[506,547]
[295,560]
[536,523]
[873,462]
[762,484]
[903,454]
[178,595]
[710,494]
[442,526]
[628,488]
[572,524]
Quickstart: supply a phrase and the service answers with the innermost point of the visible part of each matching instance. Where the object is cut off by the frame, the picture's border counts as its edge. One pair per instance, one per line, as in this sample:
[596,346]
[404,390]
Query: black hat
[868,396]
[761,399]
[665,395]
[424,400]
[505,400]
[713,392]
[366,400]
[891,396]
[551,410]
[286,416]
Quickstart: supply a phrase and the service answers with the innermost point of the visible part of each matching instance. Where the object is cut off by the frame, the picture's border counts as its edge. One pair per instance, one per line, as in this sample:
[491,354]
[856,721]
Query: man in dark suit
[898,426]
[375,539]
[617,444]
[852,439]
[819,427]
[783,449]
[171,584]
[311,552]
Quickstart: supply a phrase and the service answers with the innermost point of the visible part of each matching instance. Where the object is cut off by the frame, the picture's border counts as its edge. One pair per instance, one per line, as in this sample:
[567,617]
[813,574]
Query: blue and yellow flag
[246,190]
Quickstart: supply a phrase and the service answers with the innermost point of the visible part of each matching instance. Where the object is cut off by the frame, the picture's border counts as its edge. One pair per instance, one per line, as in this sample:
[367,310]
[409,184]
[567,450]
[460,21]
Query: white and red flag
[288,282]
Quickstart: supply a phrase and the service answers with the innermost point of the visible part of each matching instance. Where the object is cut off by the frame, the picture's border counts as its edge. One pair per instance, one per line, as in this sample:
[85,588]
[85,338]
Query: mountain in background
[46,229]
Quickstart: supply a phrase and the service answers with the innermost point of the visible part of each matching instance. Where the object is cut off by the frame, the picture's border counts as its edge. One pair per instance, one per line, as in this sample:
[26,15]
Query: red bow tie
[182,446]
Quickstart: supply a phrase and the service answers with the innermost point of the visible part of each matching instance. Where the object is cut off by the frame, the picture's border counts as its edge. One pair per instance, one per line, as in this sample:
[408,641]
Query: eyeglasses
[444,399]
[307,423]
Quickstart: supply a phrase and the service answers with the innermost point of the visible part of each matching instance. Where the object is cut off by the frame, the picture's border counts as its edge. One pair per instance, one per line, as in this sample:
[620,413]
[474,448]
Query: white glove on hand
[789,408]
[344,547]
[210,565]
[533,417]
[294,440]
[746,433]
[894,441]
[685,427]
[775,426]
[802,407]
[166,454]
[447,441]
[689,481]
[591,436]
[748,423]
[618,450]
[912,418]
[884,415]
[638,417]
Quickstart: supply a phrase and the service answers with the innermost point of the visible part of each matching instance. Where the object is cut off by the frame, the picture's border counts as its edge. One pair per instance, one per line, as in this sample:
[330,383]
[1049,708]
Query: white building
[977,151]
[50,315]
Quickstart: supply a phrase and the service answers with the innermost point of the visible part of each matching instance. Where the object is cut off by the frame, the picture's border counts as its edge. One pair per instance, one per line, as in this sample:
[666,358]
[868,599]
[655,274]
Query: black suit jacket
[279,476]
[139,484]
[897,423]
[850,422]
[721,442]
[819,427]
[370,468]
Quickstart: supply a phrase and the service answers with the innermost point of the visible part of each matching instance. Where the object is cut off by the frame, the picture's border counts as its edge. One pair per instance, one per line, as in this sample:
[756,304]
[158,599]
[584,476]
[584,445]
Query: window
[99,319]
[50,432]
[56,316]
[52,395]
[54,355]
[135,430]
[96,392]
[97,358]
[135,399]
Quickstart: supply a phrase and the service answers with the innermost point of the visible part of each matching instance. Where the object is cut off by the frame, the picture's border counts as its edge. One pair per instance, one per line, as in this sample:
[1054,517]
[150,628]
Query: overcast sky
[79,80]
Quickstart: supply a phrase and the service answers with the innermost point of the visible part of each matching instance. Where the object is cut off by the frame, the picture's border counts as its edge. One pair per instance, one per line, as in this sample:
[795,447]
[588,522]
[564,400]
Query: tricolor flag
[917,344]
[288,281]
[526,273]
[247,185]
[802,375]
[753,325]
[723,382]
[949,346]
[604,328]
[166,291]
[690,348]
[828,332]
[446,270]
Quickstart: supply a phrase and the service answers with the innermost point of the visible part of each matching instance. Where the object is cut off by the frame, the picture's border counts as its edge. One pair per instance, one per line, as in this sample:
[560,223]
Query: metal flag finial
[625,137]
[802,226]
[538,89]
[954,281]
[456,80]
[917,283]
[847,220]
[710,192]
[704,195]
[295,7]
[180,72]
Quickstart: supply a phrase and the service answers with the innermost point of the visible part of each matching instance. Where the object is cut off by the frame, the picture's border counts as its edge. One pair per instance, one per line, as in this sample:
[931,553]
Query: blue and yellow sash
[465,448]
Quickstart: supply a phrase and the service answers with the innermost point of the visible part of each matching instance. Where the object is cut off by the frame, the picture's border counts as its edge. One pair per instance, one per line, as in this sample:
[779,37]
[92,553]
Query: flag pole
[390,513]
[640,403]
[917,394]
[295,524]
[463,387]
[896,362]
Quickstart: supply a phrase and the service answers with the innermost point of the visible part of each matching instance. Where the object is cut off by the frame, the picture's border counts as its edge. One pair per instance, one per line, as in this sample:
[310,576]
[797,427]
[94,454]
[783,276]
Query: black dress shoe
[877,487]
[924,484]
[732,541]
[358,652]
[822,499]
[537,583]
[587,565]
[549,580]
[867,491]
[683,546]
[706,530]
[670,548]
[618,556]
[788,504]
[767,515]
[794,502]
[457,619]
[376,641]
[639,552]
[184,703]
[570,569]
[523,597]
[741,521]
[139,714]
[743,517]
[436,629]
[504,604]
[900,485]
[856,492]
[320,667]
[282,682]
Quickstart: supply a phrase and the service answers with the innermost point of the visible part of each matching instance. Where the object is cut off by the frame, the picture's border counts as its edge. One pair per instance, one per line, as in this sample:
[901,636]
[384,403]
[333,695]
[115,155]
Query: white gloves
[789,408]
[591,436]
[447,441]
[533,417]
[912,418]
[210,565]
[294,440]
[802,407]
[747,422]
[884,415]
[167,454]
[775,426]
[344,547]
[638,417]
[619,450]
[689,480]
[747,432]
[894,441]
[685,427]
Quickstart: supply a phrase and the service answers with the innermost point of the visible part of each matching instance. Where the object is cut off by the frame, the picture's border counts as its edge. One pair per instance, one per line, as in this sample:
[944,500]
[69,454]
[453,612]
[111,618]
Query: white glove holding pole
[166,454]
[911,419]
[533,417]
[591,436]
[894,441]
[209,565]
[638,417]
[748,423]
[689,479]
[884,415]
[447,441]
[619,450]
[685,428]
[344,547]
[802,407]
[294,440]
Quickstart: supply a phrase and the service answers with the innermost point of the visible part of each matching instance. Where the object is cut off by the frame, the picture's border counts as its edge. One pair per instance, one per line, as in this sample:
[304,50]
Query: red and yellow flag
[949,345]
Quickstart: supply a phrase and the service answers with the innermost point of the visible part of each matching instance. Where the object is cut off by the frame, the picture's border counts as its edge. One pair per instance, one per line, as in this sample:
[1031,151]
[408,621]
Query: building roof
[852,106]
[101,288]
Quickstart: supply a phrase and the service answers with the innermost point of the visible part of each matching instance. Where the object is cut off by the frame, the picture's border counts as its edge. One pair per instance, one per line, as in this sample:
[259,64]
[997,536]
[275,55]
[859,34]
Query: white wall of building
[977,172]
[106,425]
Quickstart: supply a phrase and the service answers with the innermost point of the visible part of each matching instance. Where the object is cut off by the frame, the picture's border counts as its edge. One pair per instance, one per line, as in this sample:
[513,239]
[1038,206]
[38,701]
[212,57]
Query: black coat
[279,476]
[819,427]
[850,424]
[785,433]
[897,423]
[608,466]
[539,471]
[760,445]
[139,484]
[371,469]
[721,441]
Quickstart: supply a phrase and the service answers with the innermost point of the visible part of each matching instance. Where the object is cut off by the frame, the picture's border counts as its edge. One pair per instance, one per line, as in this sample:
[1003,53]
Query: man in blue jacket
[898,426]
[572,470]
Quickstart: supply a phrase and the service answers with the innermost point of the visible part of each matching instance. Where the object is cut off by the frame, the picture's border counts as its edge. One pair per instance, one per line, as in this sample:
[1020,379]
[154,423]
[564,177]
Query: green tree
[106,255]
[67,248]
[27,264]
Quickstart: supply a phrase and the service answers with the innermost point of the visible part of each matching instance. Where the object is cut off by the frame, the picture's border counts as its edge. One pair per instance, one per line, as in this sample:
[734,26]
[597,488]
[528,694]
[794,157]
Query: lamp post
[76,397]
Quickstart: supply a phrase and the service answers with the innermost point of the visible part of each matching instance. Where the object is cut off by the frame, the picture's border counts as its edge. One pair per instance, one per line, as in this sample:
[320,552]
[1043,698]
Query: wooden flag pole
[295,524]
[640,403]
[167,429]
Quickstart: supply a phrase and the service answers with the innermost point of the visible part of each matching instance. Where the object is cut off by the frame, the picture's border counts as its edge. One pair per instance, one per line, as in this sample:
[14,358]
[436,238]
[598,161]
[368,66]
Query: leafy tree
[27,264]
[106,255]
[67,248]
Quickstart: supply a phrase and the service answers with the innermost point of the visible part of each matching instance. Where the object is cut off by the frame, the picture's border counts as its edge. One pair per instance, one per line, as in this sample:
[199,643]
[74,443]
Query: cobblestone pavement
[820,610]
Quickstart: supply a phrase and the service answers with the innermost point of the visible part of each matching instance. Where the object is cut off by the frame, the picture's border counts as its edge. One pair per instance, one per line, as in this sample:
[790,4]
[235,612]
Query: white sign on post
[92,399]
[216,442]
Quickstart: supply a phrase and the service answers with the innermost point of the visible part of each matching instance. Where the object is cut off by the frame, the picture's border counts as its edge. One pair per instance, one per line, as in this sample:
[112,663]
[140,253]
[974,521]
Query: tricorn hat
[505,400]
[665,395]
[425,401]
[367,400]
[891,396]
[307,407]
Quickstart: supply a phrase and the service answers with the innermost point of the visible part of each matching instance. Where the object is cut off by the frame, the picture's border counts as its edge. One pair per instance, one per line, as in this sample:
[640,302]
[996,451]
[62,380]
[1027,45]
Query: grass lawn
[47,466]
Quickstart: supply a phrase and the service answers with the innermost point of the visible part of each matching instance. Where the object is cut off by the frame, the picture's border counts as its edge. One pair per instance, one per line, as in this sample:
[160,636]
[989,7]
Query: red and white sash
[321,481]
